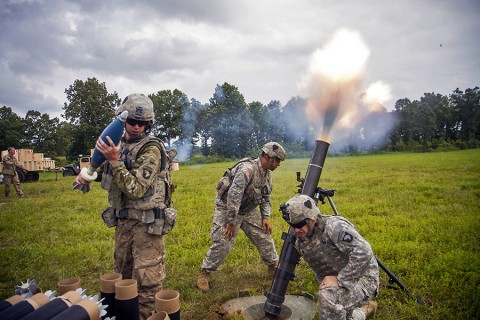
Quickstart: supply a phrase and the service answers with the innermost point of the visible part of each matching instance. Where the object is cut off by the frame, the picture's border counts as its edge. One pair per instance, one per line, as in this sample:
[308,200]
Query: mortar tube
[54,307]
[115,131]
[126,300]
[24,307]
[107,292]
[85,309]
[289,256]
[7,303]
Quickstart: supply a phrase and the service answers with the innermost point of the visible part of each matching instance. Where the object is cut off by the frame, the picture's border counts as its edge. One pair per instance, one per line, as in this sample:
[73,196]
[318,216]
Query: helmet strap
[311,226]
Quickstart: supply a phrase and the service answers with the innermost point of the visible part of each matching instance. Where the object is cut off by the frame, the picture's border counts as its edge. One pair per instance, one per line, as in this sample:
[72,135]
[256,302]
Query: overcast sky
[261,46]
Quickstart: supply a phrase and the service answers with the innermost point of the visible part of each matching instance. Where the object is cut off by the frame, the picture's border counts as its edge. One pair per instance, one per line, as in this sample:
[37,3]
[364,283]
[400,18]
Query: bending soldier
[243,202]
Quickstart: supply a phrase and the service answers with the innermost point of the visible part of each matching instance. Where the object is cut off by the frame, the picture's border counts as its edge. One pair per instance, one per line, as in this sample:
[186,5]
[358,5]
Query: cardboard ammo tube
[126,300]
[168,301]
[54,307]
[107,292]
[69,284]
[7,303]
[162,315]
[85,309]
[24,307]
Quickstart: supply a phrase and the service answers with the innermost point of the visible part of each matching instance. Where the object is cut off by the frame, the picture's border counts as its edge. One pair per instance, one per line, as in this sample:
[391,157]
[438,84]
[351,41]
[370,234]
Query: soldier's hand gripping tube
[115,131]
[289,257]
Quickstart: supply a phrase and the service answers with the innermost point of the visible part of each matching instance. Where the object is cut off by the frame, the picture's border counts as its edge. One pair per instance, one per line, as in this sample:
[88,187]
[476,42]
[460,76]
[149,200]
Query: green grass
[420,212]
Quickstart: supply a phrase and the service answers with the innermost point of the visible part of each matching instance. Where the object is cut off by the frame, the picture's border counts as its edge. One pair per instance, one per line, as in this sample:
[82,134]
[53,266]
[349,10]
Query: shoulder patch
[247,174]
[147,173]
[347,237]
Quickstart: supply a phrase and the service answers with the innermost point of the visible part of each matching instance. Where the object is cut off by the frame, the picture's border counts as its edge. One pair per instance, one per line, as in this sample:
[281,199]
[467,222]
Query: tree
[275,127]
[42,134]
[424,123]
[35,131]
[203,130]
[445,126]
[403,118]
[12,129]
[188,132]
[168,107]
[259,114]
[230,122]
[466,108]
[299,129]
[90,110]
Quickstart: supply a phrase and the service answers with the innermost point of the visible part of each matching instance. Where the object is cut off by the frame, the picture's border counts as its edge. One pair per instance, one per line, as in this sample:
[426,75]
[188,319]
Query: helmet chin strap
[311,226]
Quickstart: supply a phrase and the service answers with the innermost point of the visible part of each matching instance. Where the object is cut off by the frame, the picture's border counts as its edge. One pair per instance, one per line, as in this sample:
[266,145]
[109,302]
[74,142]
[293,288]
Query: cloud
[262,47]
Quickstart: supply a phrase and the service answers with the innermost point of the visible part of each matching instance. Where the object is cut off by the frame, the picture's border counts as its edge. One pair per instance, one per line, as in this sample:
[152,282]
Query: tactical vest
[257,191]
[158,195]
[320,252]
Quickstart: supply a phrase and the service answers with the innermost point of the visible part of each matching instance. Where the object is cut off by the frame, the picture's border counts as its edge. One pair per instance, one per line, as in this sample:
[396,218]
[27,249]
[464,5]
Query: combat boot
[202,281]
[271,270]
[365,311]
[370,308]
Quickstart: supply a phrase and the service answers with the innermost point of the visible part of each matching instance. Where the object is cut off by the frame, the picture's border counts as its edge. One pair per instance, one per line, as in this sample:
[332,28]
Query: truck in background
[32,162]
[74,169]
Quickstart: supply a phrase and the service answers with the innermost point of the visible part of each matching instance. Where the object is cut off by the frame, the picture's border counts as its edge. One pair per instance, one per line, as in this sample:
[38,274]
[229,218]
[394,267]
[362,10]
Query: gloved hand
[81,184]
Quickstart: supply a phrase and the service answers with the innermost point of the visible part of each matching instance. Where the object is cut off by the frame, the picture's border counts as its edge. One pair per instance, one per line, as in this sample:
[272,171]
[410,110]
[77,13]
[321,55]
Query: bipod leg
[333,206]
[394,279]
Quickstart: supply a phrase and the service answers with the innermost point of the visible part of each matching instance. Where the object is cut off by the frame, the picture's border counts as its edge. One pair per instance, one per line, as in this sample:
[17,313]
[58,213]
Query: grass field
[420,213]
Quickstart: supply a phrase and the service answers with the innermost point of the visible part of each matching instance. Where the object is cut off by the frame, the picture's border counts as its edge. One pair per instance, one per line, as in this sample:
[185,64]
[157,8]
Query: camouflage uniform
[335,248]
[138,188]
[250,191]
[10,175]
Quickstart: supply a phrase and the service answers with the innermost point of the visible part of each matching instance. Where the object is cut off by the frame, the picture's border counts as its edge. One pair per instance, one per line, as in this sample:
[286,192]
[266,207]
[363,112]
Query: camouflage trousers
[221,247]
[9,179]
[140,256]
[338,303]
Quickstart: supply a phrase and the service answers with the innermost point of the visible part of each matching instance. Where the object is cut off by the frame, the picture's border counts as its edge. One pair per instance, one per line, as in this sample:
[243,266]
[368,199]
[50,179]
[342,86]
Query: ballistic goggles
[286,217]
[134,122]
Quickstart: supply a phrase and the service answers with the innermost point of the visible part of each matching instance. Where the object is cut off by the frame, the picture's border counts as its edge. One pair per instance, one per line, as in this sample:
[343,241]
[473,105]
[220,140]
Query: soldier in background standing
[341,258]
[10,175]
[242,191]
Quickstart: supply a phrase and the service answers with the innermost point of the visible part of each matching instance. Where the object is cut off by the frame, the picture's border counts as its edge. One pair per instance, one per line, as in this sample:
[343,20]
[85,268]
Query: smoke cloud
[339,108]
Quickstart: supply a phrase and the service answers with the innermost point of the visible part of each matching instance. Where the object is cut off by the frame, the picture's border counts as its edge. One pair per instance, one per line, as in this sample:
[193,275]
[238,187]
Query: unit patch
[347,237]
[147,173]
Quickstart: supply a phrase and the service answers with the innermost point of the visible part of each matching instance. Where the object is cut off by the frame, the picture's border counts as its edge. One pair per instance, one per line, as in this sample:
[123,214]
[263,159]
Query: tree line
[228,127]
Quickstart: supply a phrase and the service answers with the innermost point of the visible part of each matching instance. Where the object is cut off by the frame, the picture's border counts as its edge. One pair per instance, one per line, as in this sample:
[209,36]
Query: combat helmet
[299,208]
[274,149]
[139,107]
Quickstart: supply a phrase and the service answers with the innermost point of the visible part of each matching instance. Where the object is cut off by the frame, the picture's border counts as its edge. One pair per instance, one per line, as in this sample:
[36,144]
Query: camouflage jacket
[9,165]
[138,180]
[251,187]
[336,248]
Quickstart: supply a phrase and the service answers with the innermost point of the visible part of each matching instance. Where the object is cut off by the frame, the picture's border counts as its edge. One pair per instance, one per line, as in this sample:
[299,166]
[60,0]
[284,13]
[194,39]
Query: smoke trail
[189,120]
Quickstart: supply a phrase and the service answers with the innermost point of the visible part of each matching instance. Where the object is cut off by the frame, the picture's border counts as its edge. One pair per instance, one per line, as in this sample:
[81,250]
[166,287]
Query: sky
[263,47]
